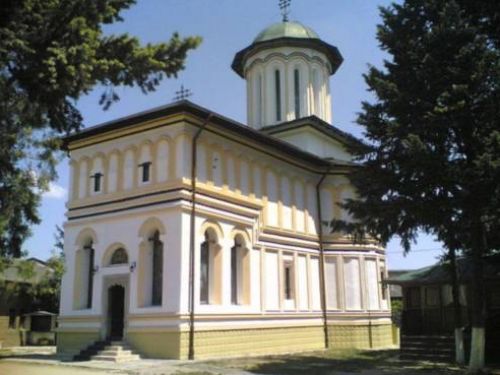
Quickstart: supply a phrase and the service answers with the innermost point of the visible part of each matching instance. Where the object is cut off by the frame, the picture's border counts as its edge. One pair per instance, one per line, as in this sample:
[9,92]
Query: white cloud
[55,191]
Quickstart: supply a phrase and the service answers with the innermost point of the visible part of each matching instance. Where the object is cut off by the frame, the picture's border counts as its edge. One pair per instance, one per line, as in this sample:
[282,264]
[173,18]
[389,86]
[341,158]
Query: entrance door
[116,306]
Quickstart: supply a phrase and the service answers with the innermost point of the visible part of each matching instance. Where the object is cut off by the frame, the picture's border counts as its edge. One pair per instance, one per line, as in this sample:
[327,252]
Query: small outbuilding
[428,303]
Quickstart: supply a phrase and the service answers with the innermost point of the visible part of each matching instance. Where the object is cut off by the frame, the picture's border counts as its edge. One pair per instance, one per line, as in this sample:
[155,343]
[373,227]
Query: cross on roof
[285,9]
[182,94]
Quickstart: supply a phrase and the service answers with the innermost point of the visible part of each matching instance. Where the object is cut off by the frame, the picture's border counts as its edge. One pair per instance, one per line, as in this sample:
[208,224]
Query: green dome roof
[283,34]
[289,29]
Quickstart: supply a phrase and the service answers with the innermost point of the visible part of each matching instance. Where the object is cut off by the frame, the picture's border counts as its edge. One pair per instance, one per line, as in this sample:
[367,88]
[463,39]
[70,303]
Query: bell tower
[287,69]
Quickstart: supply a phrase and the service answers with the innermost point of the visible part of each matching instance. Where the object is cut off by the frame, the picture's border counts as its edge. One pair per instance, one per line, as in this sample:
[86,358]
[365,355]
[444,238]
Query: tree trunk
[476,363]
[457,312]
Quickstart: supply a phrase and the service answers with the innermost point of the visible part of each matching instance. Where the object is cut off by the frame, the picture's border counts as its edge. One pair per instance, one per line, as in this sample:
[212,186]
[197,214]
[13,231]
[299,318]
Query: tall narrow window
[146,171]
[204,270]
[278,94]
[157,270]
[97,181]
[296,90]
[288,282]
[316,92]
[234,273]
[258,100]
[90,254]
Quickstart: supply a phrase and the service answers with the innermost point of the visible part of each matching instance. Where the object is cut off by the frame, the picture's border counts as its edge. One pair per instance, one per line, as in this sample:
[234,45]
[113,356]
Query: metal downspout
[322,260]
[194,147]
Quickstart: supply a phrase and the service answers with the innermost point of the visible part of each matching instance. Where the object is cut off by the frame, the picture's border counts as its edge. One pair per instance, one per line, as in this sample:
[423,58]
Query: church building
[190,235]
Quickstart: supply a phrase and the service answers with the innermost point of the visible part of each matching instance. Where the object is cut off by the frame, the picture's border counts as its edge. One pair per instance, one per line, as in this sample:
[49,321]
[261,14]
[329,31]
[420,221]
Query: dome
[289,29]
[287,34]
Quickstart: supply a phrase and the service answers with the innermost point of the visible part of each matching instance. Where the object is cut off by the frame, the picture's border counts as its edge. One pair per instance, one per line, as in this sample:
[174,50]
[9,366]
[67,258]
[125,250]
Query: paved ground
[49,365]
[13,368]
[312,363]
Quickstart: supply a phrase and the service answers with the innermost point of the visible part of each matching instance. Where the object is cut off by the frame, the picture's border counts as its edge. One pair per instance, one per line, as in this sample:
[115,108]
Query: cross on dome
[285,9]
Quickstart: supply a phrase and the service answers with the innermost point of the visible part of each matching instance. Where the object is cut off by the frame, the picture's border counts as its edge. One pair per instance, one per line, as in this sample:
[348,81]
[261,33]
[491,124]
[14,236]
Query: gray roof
[440,273]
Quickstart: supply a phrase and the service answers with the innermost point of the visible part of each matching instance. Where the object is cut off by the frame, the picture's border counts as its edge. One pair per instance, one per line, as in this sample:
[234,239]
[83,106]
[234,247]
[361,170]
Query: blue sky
[226,27]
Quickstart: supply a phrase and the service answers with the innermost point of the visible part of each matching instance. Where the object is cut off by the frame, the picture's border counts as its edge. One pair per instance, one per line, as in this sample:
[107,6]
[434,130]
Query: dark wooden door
[116,311]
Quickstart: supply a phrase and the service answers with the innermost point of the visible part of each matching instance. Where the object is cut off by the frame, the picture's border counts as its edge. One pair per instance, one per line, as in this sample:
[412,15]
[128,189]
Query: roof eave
[331,52]
[188,107]
[318,124]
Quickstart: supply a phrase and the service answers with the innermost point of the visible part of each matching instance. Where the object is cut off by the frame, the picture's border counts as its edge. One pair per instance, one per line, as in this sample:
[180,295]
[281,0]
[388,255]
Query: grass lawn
[336,362]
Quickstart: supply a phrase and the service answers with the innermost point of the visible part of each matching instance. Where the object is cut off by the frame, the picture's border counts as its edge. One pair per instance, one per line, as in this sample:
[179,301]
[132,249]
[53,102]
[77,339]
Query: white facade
[258,259]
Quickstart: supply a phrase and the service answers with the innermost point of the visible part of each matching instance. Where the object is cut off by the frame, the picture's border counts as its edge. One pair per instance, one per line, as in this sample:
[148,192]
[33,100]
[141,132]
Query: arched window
[239,272]
[235,272]
[296,92]
[210,269]
[119,256]
[258,100]
[151,263]
[205,270]
[157,258]
[277,83]
[84,275]
[316,93]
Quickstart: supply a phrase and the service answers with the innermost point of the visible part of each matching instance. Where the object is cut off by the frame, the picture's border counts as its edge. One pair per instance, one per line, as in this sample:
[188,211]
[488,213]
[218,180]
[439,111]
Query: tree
[432,158]
[45,295]
[51,53]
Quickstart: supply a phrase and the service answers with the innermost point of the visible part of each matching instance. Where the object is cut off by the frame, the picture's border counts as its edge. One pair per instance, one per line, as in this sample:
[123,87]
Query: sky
[226,27]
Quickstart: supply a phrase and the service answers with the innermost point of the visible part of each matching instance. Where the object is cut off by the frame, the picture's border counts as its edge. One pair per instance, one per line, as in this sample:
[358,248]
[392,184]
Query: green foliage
[51,53]
[34,291]
[433,161]
[396,311]
[45,295]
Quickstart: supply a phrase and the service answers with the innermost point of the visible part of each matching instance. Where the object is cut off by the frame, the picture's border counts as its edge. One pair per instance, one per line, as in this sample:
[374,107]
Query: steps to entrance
[113,351]
[429,348]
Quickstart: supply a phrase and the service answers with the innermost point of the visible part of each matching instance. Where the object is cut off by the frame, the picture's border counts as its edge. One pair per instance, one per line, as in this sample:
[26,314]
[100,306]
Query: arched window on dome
[277,84]
[317,92]
[296,92]
[258,99]
[119,256]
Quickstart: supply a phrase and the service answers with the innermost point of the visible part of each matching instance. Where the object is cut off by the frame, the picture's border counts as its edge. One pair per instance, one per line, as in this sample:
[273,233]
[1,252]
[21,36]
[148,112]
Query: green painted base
[241,342]
[71,343]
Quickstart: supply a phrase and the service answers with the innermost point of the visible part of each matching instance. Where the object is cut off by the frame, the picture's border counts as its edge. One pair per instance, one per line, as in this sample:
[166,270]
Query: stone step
[117,347]
[434,357]
[433,337]
[117,343]
[429,344]
[114,358]
[116,352]
[113,350]
[418,349]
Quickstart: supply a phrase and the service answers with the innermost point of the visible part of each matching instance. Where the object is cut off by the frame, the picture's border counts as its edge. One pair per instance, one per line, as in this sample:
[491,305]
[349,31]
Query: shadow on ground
[338,362]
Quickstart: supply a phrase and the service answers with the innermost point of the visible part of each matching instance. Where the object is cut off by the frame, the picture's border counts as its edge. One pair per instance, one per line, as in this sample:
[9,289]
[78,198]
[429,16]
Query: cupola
[287,69]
